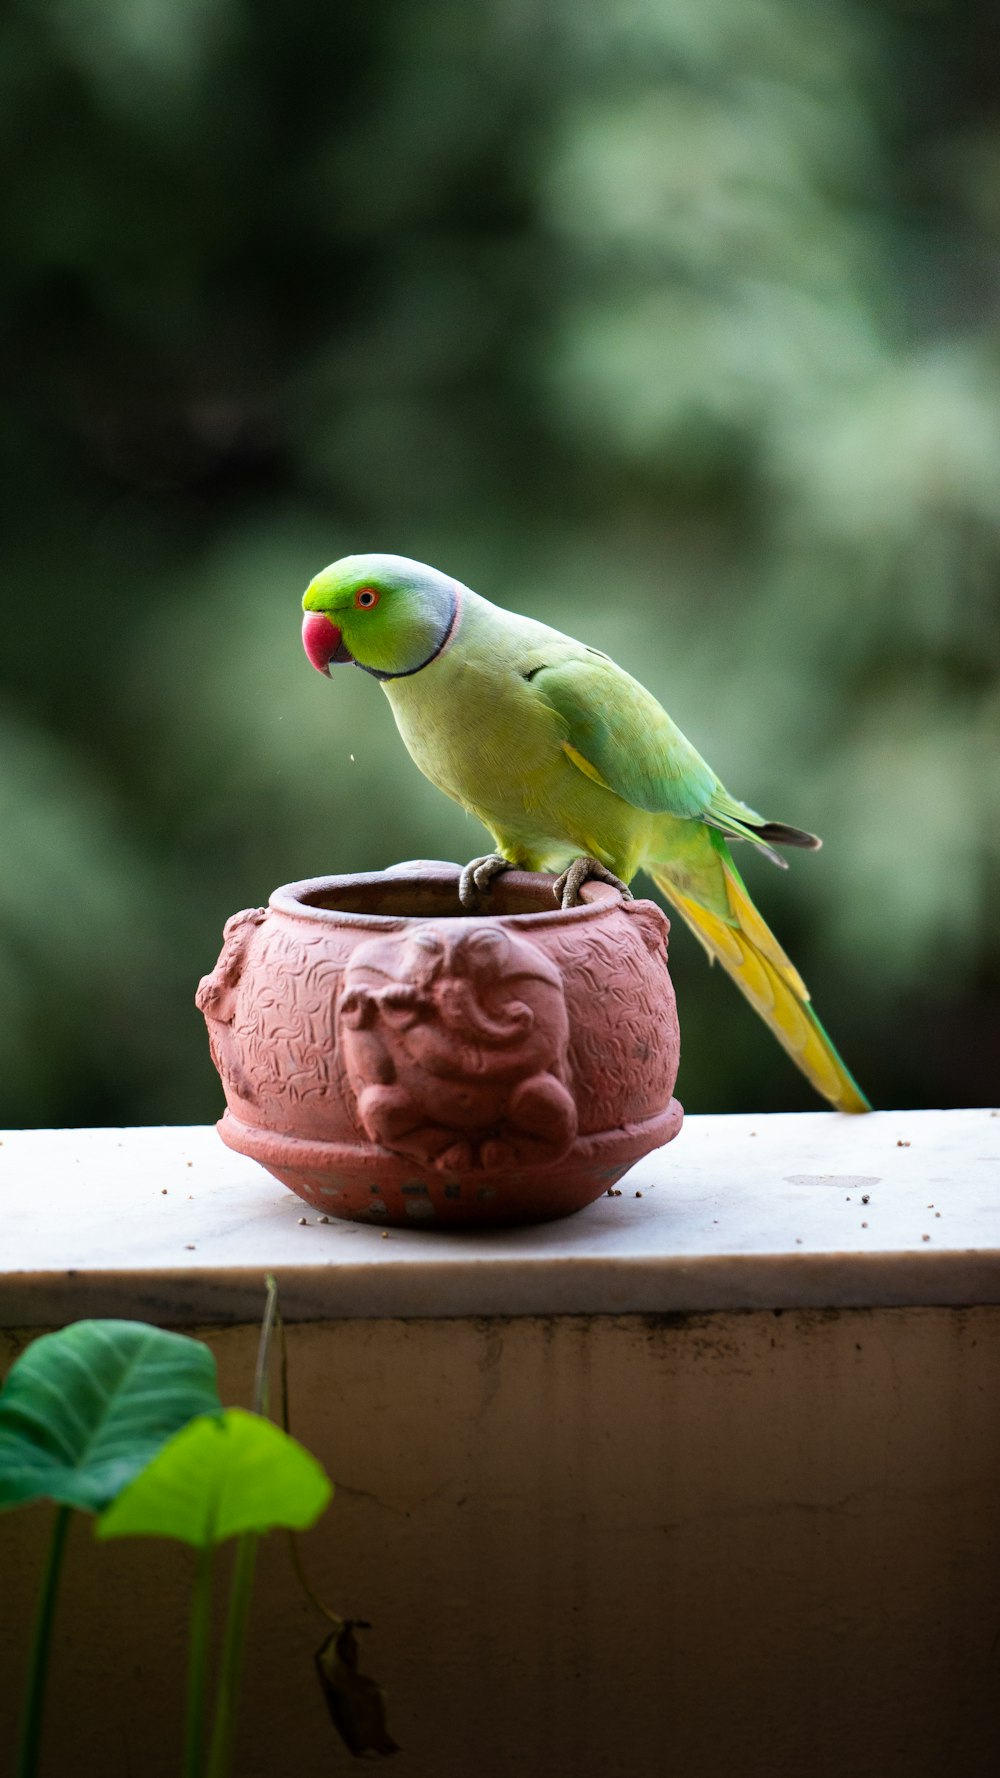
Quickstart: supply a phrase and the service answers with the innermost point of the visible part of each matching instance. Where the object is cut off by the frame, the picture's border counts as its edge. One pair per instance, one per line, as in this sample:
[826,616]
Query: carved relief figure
[455,1043]
[216,998]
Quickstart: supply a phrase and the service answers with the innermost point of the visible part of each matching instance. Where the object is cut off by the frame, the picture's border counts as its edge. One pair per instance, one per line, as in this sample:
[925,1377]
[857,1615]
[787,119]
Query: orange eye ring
[366,597]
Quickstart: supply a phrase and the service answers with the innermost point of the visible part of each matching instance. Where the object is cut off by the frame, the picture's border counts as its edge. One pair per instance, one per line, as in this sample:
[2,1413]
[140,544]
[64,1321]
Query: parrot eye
[366,597]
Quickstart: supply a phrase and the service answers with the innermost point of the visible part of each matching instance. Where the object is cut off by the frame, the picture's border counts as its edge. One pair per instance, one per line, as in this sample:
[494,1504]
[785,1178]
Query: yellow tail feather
[752,956]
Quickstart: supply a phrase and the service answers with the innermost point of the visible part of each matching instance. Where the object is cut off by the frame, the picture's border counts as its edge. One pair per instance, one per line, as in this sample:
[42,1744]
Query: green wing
[617,733]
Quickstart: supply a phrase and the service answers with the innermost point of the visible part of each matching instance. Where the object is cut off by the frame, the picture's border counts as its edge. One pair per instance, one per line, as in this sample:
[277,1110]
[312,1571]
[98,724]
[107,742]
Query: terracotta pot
[393,1060]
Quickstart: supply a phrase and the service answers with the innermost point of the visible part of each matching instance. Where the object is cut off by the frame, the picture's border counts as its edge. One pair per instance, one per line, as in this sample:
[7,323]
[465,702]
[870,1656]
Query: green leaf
[84,1410]
[219,1478]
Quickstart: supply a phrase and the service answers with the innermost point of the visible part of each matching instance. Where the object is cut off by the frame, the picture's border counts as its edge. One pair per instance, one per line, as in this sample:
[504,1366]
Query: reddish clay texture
[393,1060]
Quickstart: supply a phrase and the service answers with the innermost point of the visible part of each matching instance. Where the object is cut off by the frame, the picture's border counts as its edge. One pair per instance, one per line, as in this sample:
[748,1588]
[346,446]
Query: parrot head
[386,614]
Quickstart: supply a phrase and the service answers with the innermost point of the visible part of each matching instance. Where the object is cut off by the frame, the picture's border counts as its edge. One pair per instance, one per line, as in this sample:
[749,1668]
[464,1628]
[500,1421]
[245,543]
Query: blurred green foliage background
[671,322]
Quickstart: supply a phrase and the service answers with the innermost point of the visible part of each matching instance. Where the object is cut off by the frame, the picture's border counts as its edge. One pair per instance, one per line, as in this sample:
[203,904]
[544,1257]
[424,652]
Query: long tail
[750,953]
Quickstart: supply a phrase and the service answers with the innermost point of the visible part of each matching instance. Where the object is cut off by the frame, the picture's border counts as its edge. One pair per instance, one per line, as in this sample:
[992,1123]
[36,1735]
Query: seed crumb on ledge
[925,1237]
[385,1234]
[303,1220]
[901,1144]
[864,1225]
[163,1191]
[638,1194]
[189,1246]
[866,1197]
[324,1219]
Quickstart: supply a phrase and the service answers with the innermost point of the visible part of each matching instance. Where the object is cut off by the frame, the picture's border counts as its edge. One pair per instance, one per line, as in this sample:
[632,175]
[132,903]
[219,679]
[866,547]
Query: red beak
[322,641]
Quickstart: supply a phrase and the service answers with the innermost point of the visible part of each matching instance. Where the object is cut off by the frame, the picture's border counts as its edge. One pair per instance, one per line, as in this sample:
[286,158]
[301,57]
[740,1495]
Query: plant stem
[224,1726]
[309,1591]
[271,1316]
[293,1542]
[38,1669]
[224,1723]
[198,1657]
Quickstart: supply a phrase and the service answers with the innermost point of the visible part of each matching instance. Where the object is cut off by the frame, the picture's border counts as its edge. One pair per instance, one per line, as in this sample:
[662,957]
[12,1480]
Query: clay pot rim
[290,898]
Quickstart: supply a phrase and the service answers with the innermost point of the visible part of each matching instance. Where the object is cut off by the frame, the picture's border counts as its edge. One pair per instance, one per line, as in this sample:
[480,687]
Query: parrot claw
[566,888]
[477,877]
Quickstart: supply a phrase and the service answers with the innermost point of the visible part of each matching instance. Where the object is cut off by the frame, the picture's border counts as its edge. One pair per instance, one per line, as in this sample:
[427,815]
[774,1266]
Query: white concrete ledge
[793,1211]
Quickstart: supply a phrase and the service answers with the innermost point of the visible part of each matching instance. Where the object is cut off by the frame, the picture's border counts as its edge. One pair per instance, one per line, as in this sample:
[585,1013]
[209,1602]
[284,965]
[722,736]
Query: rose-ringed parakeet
[571,765]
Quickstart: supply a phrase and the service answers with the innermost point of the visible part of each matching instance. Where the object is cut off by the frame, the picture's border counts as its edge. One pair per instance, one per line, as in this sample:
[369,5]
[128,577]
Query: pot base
[364,1183]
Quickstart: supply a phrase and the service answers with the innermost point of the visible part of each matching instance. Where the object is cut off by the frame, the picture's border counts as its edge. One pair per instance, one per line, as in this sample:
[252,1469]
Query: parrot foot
[566,888]
[477,877]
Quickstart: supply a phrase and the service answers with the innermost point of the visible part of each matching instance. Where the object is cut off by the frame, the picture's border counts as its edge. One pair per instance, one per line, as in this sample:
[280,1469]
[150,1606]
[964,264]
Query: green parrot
[572,766]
